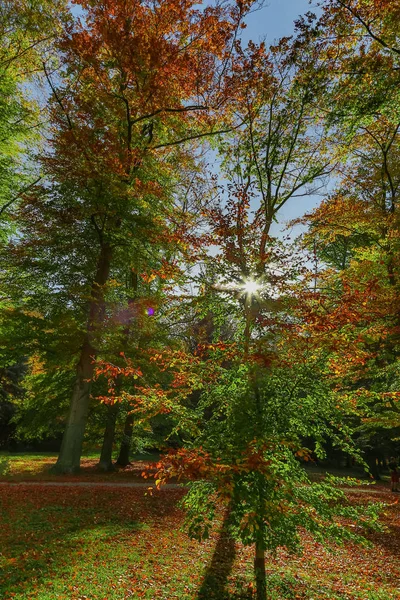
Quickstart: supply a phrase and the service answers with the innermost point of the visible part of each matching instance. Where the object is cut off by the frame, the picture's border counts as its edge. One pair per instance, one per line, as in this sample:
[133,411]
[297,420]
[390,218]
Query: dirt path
[115,484]
[143,485]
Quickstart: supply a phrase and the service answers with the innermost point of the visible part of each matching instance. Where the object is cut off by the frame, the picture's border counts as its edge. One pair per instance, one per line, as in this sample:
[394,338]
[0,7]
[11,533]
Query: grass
[73,543]
[107,543]
[27,466]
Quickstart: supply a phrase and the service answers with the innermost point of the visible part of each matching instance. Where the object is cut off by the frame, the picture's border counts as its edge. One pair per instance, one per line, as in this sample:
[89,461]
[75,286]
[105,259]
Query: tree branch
[367,26]
[23,191]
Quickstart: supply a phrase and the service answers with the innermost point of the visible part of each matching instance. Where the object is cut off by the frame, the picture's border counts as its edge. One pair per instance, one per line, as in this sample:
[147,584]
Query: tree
[279,155]
[249,427]
[120,117]
[25,33]
[260,401]
[357,49]
[355,231]
[26,30]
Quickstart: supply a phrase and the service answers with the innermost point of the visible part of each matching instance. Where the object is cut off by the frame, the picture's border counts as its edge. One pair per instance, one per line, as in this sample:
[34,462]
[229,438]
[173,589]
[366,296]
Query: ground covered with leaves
[105,543]
[25,466]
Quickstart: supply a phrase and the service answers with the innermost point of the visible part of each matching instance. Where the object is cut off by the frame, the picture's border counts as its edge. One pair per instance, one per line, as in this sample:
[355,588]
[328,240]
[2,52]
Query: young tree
[260,401]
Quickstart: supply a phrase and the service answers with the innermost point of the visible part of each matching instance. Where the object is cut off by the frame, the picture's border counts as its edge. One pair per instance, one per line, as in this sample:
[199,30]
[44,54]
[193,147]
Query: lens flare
[251,287]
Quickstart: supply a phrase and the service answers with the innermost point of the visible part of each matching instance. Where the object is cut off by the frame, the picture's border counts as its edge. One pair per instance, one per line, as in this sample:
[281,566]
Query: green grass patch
[25,466]
[114,543]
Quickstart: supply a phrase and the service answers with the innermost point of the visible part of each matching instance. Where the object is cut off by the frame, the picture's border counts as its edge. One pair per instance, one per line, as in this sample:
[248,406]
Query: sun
[251,287]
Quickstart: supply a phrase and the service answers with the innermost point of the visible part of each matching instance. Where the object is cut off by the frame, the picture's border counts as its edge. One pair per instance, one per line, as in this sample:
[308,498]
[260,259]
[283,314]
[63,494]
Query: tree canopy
[145,152]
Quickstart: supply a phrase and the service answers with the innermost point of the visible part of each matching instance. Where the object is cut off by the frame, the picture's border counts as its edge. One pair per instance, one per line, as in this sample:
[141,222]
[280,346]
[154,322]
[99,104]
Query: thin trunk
[259,558]
[259,571]
[373,467]
[105,462]
[71,447]
[247,330]
[123,459]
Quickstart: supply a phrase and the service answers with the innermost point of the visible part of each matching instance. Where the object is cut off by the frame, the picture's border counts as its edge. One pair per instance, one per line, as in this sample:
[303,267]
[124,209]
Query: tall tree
[136,86]
[355,231]
[260,397]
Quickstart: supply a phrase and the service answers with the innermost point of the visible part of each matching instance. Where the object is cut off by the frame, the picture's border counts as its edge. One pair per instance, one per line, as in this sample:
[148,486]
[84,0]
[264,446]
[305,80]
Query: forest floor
[67,542]
[26,466]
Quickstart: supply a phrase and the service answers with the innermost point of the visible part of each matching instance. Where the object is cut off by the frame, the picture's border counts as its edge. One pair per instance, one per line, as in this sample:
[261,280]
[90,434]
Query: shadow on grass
[49,535]
[214,585]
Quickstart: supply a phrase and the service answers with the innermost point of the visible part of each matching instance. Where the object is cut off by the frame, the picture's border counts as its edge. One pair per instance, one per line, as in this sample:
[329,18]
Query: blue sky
[275,19]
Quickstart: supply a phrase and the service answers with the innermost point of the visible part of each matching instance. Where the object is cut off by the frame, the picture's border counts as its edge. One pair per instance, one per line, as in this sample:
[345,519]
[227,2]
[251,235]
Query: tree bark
[71,447]
[259,571]
[123,459]
[105,462]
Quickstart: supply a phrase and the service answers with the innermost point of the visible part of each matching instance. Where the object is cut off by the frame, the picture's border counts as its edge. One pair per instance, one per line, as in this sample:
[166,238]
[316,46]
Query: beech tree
[359,296]
[260,401]
[135,87]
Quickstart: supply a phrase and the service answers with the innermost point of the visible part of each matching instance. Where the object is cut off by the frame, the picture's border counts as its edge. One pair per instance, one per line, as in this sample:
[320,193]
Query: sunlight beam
[251,287]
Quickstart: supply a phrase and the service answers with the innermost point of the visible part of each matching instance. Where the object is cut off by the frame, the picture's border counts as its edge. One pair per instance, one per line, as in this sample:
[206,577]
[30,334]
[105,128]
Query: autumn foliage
[148,154]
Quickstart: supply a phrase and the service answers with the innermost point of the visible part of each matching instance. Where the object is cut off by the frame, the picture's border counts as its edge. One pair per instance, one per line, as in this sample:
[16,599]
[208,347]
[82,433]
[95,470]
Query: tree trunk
[71,447]
[259,571]
[124,453]
[373,467]
[105,462]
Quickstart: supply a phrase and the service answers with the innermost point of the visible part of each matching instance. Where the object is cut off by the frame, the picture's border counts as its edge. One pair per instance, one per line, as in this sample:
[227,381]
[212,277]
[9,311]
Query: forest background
[147,302]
